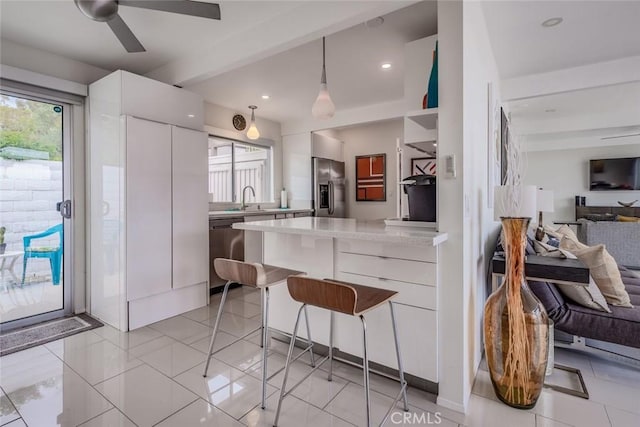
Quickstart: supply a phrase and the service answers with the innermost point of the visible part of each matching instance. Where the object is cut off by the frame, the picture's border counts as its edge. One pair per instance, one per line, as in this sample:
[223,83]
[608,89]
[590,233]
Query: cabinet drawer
[408,293]
[403,270]
[427,254]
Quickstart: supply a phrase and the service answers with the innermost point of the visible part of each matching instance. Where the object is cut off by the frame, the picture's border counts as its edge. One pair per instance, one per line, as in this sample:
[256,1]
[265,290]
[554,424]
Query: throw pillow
[603,268]
[587,296]
[544,249]
[623,218]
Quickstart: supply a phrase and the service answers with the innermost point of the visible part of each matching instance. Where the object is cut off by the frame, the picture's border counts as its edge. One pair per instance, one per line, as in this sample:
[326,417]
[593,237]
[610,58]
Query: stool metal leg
[287,365]
[265,331]
[365,367]
[310,342]
[262,310]
[215,327]
[403,382]
[330,378]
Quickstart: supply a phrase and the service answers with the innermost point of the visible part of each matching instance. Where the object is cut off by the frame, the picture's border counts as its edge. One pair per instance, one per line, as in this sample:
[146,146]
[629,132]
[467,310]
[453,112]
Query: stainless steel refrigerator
[328,188]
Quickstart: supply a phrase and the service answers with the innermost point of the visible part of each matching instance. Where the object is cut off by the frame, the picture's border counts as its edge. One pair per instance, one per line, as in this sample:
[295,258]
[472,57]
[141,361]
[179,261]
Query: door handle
[64,208]
[331,198]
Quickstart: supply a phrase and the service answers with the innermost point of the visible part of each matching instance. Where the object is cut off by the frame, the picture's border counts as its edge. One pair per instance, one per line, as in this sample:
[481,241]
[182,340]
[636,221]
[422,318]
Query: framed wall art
[371,185]
[423,166]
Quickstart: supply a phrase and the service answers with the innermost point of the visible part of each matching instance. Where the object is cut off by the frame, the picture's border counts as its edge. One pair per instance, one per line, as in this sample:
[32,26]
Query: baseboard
[454,406]
[375,368]
[219,289]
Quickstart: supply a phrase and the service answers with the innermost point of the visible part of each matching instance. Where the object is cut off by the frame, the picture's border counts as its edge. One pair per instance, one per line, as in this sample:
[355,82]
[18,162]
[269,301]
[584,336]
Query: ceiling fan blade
[125,35]
[183,7]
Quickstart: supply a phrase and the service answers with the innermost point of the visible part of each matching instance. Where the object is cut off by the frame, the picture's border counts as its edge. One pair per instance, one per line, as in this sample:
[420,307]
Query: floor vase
[516,327]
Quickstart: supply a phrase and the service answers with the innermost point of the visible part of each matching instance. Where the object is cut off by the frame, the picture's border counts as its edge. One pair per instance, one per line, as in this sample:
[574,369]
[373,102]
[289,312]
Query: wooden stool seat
[251,274]
[334,295]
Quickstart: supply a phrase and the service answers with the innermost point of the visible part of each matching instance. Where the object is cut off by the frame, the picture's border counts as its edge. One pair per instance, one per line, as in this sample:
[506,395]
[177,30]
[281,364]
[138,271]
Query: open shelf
[425,118]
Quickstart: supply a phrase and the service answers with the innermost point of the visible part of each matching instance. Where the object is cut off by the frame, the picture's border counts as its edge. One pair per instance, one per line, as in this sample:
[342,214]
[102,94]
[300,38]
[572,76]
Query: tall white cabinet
[148,174]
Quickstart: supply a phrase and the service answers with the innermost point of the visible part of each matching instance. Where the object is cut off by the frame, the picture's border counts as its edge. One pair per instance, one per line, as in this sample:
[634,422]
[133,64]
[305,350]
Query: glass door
[35,210]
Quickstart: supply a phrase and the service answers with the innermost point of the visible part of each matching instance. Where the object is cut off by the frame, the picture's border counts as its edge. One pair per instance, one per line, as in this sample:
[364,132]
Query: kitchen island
[404,259]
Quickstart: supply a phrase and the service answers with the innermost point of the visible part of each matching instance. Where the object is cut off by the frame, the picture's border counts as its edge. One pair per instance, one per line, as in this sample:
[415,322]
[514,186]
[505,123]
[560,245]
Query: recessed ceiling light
[191,115]
[386,66]
[265,96]
[552,22]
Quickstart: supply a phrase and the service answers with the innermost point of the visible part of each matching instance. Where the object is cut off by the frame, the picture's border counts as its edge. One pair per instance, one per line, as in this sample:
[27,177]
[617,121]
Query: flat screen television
[614,174]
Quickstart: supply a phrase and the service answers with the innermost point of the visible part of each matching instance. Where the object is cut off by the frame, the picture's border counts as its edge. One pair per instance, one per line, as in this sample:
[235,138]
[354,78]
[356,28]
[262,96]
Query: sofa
[620,327]
[622,239]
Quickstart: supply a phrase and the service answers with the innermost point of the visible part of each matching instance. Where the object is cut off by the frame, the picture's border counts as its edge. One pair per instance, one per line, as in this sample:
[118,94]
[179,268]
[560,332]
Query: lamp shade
[545,201]
[252,132]
[323,108]
[514,201]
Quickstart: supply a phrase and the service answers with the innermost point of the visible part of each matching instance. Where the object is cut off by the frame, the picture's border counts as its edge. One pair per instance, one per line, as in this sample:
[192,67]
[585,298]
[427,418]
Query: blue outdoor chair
[53,253]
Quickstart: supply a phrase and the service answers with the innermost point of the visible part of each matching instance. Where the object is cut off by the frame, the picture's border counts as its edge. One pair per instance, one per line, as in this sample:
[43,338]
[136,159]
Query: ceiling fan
[107,11]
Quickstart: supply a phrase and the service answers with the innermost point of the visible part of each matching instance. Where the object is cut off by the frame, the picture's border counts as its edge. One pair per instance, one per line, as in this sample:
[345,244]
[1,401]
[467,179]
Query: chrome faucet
[243,205]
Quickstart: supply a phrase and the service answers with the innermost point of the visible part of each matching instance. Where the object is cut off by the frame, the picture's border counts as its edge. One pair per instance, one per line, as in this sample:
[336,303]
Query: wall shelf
[425,118]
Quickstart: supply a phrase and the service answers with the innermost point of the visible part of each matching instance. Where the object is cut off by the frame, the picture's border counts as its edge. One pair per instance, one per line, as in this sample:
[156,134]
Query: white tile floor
[153,376]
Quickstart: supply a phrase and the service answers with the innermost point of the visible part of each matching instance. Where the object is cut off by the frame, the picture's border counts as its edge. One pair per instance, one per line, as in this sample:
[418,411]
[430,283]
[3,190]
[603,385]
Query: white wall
[466,66]
[453,294]
[566,173]
[480,232]
[221,117]
[373,138]
[50,64]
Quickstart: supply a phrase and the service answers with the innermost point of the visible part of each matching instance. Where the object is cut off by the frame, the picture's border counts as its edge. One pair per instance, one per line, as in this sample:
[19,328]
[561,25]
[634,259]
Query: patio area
[33,298]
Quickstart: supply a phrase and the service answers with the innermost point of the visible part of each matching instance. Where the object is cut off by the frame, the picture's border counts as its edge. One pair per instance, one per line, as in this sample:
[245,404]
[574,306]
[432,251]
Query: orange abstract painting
[370,178]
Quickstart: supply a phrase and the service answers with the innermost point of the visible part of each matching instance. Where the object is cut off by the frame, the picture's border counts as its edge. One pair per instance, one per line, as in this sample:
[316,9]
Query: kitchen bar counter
[346,228]
[402,259]
[250,212]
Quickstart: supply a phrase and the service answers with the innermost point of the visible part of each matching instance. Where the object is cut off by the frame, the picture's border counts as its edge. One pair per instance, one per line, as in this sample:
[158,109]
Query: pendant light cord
[323,79]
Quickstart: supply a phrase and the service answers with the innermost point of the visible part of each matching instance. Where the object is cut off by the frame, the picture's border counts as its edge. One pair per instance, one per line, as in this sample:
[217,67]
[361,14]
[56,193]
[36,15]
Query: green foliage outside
[30,124]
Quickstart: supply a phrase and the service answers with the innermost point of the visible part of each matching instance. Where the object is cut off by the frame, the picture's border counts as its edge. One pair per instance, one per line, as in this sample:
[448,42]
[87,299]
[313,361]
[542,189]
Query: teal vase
[432,88]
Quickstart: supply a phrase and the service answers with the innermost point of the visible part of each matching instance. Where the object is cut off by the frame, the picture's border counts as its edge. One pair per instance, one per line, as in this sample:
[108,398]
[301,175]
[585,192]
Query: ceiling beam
[619,71]
[297,26]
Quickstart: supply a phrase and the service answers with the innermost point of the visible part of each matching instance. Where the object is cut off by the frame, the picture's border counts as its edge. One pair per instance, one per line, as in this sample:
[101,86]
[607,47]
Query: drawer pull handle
[383,257]
[382,279]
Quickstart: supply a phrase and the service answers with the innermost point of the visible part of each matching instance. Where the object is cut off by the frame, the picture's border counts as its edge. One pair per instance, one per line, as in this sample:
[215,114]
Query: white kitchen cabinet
[411,272]
[148,238]
[327,147]
[190,207]
[148,208]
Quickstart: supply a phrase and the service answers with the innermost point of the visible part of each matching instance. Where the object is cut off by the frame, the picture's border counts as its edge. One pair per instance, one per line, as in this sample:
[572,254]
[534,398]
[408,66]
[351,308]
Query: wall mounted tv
[614,174]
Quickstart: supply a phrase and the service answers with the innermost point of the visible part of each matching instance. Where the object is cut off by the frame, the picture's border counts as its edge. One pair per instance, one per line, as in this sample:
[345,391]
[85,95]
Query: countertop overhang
[347,228]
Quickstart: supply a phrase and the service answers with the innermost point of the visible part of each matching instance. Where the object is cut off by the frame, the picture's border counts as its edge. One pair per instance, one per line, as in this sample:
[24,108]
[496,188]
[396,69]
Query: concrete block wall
[29,191]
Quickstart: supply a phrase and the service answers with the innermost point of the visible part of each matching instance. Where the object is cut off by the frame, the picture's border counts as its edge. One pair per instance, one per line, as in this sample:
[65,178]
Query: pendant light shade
[323,108]
[252,132]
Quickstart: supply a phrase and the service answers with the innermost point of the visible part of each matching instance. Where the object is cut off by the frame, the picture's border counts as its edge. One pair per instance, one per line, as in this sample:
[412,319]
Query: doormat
[31,336]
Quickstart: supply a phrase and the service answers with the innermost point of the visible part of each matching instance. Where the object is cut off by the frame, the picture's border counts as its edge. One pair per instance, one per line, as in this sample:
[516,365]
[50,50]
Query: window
[234,165]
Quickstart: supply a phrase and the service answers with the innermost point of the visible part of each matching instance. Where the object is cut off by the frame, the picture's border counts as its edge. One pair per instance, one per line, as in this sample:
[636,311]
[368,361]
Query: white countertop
[239,213]
[347,228]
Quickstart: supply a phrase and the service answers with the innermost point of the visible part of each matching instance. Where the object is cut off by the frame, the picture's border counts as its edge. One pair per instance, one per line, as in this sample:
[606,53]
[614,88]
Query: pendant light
[323,108]
[252,132]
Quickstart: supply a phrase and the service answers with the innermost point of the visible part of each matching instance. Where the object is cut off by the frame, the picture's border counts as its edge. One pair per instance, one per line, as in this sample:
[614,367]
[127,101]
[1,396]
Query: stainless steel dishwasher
[224,242]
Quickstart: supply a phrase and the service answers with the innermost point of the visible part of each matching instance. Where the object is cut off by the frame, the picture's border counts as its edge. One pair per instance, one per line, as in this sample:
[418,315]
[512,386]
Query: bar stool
[261,277]
[346,298]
